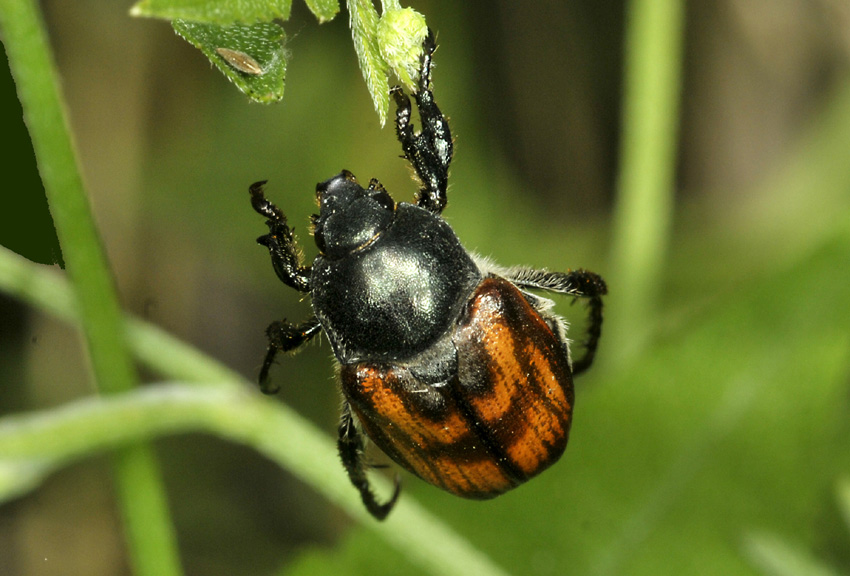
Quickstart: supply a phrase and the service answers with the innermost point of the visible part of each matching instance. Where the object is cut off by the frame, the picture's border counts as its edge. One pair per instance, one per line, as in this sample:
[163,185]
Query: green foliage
[843,498]
[364,32]
[392,41]
[240,38]
[648,152]
[711,448]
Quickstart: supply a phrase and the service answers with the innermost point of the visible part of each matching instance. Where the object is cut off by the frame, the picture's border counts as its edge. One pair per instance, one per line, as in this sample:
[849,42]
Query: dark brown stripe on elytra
[441,463]
[414,443]
[500,320]
[372,415]
[534,385]
[531,395]
[539,425]
[542,356]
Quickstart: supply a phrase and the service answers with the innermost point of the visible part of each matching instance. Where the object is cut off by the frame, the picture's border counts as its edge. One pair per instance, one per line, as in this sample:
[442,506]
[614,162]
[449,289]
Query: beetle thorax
[393,297]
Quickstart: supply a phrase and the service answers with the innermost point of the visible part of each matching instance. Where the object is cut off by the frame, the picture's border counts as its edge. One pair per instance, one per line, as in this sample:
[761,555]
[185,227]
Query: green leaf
[364,30]
[400,37]
[724,421]
[250,56]
[324,10]
[392,42]
[217,11]
[240,39]
[776,557]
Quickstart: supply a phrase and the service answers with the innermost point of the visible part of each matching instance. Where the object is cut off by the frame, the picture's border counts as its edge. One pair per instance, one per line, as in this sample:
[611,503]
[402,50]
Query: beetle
[448,363]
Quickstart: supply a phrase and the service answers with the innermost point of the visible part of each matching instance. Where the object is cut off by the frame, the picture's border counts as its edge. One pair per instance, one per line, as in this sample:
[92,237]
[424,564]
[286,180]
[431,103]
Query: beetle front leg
[430,150]
[284,337]
[351,448]
[578,283]
[286,258]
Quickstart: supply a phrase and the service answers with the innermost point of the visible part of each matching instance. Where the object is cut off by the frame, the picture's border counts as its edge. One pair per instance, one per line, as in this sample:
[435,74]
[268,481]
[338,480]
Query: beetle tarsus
[430,150]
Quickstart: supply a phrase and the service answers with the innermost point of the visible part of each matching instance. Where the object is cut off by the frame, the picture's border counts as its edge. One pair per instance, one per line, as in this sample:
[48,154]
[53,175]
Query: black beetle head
[350,216]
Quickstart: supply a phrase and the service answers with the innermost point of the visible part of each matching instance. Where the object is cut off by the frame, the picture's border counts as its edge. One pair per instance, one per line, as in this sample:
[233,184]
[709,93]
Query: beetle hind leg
[351,448]
[593,333]
[577,283]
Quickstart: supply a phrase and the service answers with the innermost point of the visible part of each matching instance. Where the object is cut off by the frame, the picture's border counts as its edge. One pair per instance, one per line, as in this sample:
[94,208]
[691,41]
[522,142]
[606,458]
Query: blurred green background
[730,422]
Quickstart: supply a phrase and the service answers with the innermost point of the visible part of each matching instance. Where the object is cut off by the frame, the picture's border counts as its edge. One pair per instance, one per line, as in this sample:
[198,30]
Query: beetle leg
[284,337]
[350,446]
[430,150]
[286,258]
[578,283]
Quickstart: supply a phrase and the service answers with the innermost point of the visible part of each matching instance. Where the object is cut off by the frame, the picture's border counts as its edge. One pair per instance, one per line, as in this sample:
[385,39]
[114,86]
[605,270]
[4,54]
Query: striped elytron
[448,363]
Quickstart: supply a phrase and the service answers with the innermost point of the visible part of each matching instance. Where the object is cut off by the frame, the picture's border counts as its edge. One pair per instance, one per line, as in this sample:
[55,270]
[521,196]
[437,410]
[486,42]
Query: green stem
[46,290]
[643,212]
[32,445]
[228,410]
[150,536]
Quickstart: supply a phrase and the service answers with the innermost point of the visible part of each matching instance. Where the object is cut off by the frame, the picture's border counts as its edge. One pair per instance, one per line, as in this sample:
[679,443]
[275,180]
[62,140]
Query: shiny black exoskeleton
[446,362]
[390,279]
